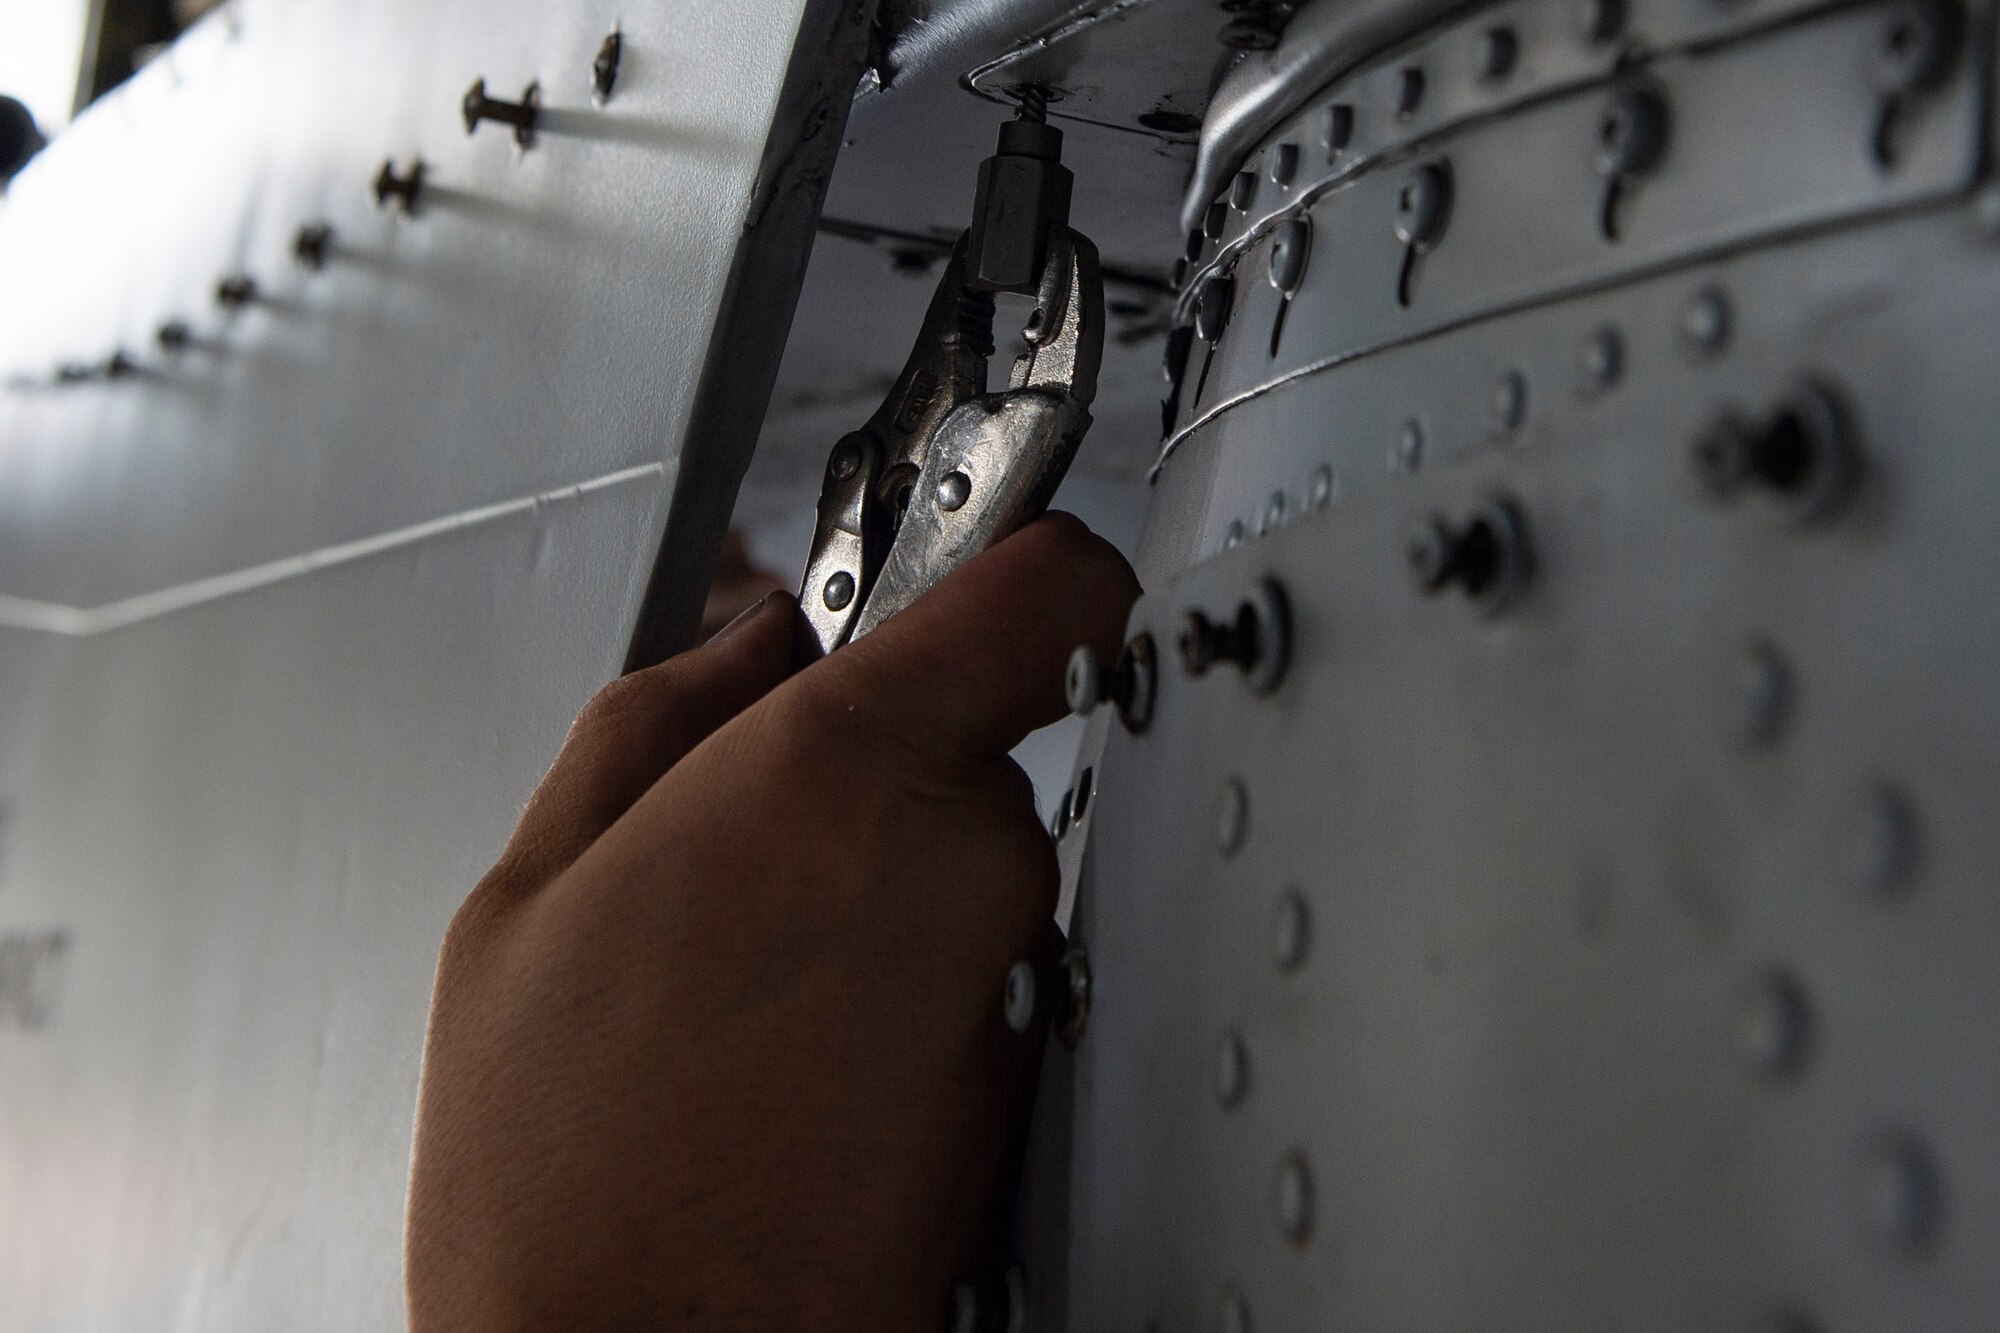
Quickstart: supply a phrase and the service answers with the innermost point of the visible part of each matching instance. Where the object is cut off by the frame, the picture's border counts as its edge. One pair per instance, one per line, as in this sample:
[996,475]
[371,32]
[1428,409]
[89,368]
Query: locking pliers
[943,469]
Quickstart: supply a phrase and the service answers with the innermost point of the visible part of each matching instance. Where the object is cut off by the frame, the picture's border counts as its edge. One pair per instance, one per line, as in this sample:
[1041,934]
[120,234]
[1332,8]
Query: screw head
[1083,681]
[1705,321]
[1018,997]
[1291,931]
[1422,205]
[1291,246]
[1232,817]
[1770,1020]
[839,591]
[1232,1070]
[1293,1199]
[953,490]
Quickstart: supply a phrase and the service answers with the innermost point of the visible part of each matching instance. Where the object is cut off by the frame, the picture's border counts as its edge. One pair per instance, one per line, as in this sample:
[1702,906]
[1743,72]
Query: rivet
[1018,997]
[233,293]
[1293,1200]
[1217,218]
[1599,361]
[1422,205]
[846,459]
[1408,455]
[1600,20]
[1319,490]
[312,245]
[1705,321]
[1487,556]
[1339,128]
[953,490]
[1233,538]
[1231,1314]
[839,591]
[1631,132]
[1507,403]
[1291,931]
[1499,48]
[1409,91]
[1291,247]
[1211,312]
[1898,1195]
[406,190]
[1243,190]
[522,115]
[1274,513]
[1284,164]
[1762,696]
[1232,816]
[1771,1024]
[174,336]
[604,69]
[1232,1070]
[1195,241]
[1920,41]
[1875,834]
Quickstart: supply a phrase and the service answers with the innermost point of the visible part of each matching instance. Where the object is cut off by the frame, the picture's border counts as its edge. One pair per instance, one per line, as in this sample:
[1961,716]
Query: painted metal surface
[292,619]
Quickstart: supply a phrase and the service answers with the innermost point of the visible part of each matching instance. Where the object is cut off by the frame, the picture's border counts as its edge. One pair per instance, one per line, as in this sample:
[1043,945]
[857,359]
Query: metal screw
[1232,1070]
[522,115]
[604,69]
[1294,1199]
[839,591]
[953,490]
[1291,931]
[1705,321]
[1507,403]
[1875,839]
[1898,1194]
[1232,816]
[1291,246]
[1771,1025]
[233,293]
[1319,490]
[1486,556]
[1499,48]
[1600,360]
[406,190]
[312,244]
[1257,638]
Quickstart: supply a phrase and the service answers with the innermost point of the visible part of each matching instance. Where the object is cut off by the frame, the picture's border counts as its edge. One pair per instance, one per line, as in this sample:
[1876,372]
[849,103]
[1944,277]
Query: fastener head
[1018,999]
[1291,247]
[839,591]
[1631,132]
[1084,684]
[1919,45]
[604,69]
[953,490]
[1423,204]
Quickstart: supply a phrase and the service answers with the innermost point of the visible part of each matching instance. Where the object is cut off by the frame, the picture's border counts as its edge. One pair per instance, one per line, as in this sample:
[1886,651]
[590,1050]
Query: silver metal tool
[944,469]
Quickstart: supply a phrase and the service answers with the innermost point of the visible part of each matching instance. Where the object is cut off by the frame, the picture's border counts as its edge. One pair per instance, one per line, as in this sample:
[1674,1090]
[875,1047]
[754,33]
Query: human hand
[717,1043]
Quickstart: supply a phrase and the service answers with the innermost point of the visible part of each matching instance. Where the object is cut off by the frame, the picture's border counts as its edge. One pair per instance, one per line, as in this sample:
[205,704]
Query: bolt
[953,490]
[1499,48]
[233,293]
[604,69]
[1600,360]
[1486,556]
[839,591]
[1291,246]
[1256,638]
[406,190]
[1291,931]
[1898,1195]
[1319,490]
[1060,995]
[1232,1070]
[522,115]
[1232,816]
[174,336]
[1771,1025]
[1294,1199]
[311,245]
[1705,321]
[1507,403]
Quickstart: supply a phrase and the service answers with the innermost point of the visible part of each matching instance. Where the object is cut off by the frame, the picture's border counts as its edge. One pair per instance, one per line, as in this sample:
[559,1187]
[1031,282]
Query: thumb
[976,663]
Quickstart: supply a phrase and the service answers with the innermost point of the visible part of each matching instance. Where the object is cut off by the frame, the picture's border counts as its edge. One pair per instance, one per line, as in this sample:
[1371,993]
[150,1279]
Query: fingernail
[743,618]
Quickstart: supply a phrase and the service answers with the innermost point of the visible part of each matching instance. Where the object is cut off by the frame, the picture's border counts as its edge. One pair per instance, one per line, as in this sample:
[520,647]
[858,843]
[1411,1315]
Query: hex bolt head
[1631,132]
[1291,247]
[1919,45]
[1771,1025]
[953,490]
[1423,205]
[1898,1193]
[1292,1201]
[1232,1070]
[839,591]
